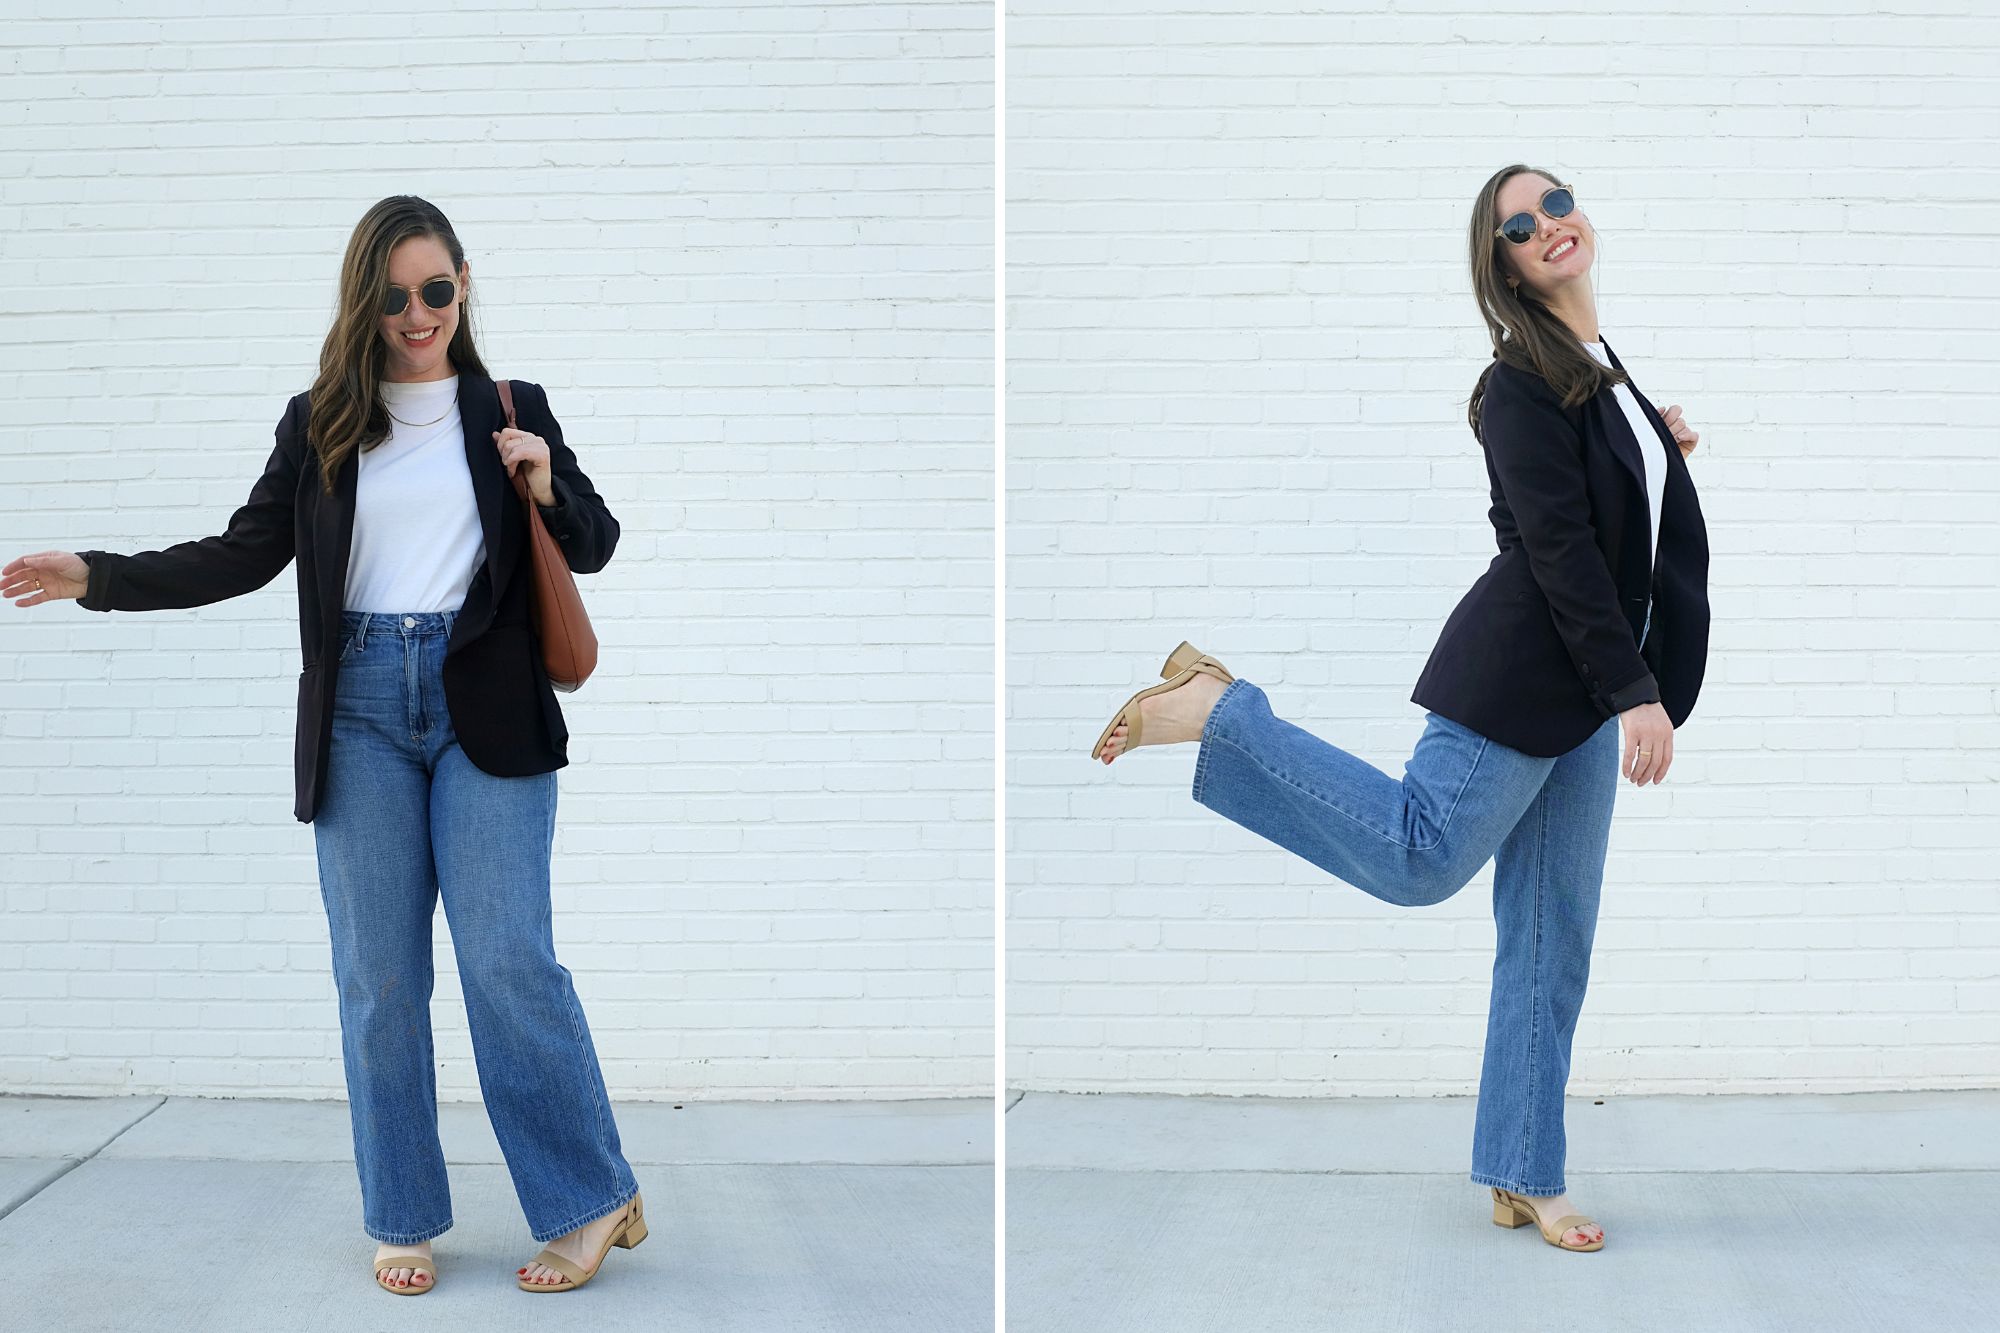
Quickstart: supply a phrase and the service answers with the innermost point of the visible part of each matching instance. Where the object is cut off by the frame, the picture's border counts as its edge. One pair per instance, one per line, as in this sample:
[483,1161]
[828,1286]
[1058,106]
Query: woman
[1593,616]
[430,771]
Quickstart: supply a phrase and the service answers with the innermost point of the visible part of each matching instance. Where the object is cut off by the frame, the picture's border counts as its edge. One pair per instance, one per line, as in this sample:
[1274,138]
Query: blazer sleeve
[255,547]
[1537,458]
[579,520]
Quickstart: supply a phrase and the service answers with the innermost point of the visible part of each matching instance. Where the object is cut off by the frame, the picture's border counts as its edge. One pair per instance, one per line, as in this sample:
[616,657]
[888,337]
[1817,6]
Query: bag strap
[506,388]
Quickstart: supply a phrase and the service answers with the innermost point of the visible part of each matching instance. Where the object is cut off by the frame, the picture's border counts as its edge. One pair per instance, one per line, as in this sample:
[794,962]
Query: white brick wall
[748,250]
[1240,341]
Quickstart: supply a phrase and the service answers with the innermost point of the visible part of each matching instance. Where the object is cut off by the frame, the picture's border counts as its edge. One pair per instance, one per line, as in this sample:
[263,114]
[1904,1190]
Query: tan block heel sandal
[1514,1210]
[1181,658]
[628,1233]
[1181,666]
[422,1263]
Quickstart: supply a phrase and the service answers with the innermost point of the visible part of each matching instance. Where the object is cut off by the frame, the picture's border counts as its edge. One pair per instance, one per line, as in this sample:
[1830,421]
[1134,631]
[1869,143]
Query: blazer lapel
[333,537]
[480,413]
[1618,430]
[1675,461]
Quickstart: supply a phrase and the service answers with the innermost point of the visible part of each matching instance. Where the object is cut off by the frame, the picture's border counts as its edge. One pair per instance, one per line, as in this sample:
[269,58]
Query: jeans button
[409,622]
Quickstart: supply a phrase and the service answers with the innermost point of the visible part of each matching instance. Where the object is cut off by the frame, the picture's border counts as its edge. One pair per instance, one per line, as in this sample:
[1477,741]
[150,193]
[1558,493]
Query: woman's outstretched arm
[249,554]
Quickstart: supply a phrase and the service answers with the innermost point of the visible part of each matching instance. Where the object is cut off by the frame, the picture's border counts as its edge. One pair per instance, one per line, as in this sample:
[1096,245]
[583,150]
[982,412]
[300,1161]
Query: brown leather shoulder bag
[569,644]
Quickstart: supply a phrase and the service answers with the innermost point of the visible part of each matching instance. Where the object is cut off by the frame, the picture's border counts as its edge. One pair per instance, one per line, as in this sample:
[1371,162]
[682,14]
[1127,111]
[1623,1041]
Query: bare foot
[1171,717]
[1551,1206]
[403,1277]
[580,1247]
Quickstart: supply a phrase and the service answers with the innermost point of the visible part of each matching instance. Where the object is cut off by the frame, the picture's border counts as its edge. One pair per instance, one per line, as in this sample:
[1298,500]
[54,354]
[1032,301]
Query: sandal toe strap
[416,1261]
[550,1259]
[1563,1224]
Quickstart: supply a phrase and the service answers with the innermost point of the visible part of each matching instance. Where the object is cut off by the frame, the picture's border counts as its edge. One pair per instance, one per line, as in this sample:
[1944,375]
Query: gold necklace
[434,421]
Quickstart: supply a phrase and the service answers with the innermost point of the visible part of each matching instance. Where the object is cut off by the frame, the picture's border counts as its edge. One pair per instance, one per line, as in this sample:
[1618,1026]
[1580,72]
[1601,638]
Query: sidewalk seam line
[74,1162]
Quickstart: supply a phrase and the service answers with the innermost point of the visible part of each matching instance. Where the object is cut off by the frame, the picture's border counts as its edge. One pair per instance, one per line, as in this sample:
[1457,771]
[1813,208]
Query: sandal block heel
[1179,660]
[632,1234]
[1504,1214]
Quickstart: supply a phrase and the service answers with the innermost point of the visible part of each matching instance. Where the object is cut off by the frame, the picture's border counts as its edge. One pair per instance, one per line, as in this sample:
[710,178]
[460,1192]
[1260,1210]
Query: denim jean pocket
[348,646]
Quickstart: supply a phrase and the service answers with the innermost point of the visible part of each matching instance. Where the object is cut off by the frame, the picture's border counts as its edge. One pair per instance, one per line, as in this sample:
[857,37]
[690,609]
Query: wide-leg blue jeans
[406,819]
[1462,800]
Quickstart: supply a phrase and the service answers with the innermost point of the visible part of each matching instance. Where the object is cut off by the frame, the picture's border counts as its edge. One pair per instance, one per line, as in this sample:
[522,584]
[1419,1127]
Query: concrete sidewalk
[1862,1211]
[186,1213]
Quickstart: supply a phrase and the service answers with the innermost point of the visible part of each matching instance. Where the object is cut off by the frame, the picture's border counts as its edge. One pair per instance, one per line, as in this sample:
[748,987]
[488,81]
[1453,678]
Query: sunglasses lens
[395,301]
[1557,203]
[440,293]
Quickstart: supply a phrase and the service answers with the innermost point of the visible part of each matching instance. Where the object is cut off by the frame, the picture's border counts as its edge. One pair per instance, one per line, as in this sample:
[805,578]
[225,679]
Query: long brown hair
[347,408]
[1526,333]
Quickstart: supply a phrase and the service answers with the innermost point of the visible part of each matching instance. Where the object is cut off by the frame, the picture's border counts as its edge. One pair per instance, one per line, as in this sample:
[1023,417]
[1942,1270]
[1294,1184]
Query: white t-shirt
[1650,447]
[417,539]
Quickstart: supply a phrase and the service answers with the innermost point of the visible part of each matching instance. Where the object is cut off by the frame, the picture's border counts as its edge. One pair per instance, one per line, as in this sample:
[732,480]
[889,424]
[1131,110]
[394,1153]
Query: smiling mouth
[1562,248]
[420,339]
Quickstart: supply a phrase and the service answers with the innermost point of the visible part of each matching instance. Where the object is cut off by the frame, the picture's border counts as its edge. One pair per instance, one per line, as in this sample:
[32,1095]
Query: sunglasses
[1557,202]
[438,294]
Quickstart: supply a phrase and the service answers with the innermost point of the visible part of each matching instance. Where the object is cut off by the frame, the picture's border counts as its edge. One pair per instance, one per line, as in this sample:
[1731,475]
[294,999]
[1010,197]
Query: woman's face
[1530,263]
[417,337]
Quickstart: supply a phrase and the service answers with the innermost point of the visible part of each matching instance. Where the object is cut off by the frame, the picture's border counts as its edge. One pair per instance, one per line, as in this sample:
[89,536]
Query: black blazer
[502,705]
[1545,646]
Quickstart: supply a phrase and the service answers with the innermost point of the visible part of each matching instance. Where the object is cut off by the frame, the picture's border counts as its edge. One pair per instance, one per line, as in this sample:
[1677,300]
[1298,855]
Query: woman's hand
[1684,434]
[519,448]
[45,576]
[1649,743]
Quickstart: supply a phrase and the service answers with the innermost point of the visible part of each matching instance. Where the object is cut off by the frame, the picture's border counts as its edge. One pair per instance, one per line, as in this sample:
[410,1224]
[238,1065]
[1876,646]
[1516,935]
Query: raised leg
[1413,842]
